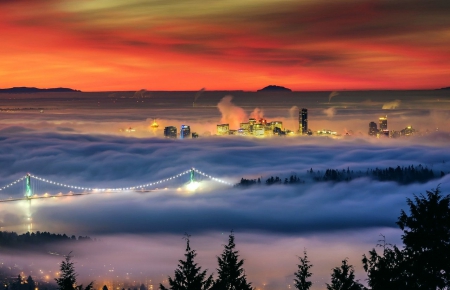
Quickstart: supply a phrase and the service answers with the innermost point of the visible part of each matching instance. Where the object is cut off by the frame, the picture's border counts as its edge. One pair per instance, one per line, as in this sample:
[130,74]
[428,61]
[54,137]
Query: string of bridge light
[12,183]
[110,189]
[212,177]
[115,189]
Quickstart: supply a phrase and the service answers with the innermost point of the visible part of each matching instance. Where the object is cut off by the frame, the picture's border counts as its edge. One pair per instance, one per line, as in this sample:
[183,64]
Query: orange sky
[101,45]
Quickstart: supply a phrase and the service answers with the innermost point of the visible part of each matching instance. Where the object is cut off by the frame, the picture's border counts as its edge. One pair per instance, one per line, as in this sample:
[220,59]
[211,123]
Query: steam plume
[293,112]
[332,95]
[330,112]
[257,114]
[231,114]
[197,95]
[391,105]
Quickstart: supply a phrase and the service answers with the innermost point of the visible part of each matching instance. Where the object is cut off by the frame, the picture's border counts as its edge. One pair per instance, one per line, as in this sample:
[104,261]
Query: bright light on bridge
[193,186]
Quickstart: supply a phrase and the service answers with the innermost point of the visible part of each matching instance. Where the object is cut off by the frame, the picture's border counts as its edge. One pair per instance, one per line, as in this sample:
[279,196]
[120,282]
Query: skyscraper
[170,132]
[373,130]
[383,126]
[185,131]
[303,121]
[383,123]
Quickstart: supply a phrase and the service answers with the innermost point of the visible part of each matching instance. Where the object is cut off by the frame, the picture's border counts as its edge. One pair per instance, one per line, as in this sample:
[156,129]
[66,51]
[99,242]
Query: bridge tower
[192,178]
[28,192]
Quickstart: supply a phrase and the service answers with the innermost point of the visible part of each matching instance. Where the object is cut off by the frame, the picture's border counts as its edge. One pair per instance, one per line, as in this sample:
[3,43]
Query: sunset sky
[105,45]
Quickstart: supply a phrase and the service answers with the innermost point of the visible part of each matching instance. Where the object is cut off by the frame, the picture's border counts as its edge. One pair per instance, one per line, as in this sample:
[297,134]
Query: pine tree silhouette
[68,278]
[343,278]
[188,275]
[231,274]
[303,273]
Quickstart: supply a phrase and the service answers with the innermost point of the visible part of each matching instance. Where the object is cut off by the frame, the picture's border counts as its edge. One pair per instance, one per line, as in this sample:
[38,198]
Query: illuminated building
[276,124]
[170,132]
[382,122]
[408,131]
[194,135]
[303,122]
[245,126]
[185,131]
[325,132]
[242,132]
[258,130]
[245,129]
[223,129]
[251,123]
[373,130]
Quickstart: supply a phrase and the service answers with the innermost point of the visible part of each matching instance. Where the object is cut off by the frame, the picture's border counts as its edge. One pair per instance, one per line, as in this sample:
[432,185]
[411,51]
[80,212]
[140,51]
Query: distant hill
[273,88]
[29,90]
[447,88]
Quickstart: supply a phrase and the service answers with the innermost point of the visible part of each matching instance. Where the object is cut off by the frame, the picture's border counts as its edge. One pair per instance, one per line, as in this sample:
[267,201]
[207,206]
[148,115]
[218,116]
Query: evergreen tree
[386,272]
[303,273]
[343,278]
[426,235]
[104,287]
[31,285]
[231,274]
[188,275]
[68,277]
[17,285]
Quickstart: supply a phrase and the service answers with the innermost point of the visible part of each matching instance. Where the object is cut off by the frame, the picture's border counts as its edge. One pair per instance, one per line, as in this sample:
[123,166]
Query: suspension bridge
[77,190]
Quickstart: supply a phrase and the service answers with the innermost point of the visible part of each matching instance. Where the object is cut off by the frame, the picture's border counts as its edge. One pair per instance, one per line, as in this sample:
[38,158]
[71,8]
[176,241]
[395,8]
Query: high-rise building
[383,127]
[383,123]
[373,130]
[170,132]
[185,131]
[223,129]
[276,124]
[303,121]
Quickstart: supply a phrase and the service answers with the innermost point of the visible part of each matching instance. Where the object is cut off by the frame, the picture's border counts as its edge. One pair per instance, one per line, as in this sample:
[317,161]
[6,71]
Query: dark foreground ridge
[274,88]
[29,90]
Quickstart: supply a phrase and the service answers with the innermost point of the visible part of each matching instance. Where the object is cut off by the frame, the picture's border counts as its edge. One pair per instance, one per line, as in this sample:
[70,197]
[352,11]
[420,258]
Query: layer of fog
[114,113]
[141,232]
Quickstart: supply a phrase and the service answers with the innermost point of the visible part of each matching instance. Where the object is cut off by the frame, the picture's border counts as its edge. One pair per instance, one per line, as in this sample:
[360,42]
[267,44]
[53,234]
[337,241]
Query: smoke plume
[332,95]
[231,114]
[198,94]
[257,114]
[391,105]
[330,112]
[293,112]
